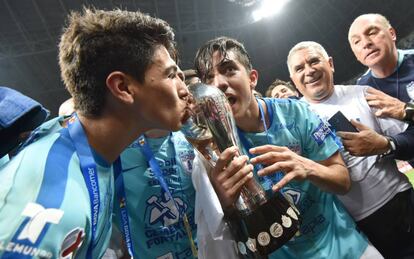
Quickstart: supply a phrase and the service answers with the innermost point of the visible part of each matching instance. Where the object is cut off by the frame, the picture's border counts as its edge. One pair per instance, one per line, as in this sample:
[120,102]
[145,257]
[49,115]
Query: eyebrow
[226,62]
[171,68]
[369,28]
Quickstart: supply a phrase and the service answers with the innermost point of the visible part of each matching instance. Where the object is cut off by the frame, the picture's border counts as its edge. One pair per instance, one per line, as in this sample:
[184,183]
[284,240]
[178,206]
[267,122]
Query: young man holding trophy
[285,139]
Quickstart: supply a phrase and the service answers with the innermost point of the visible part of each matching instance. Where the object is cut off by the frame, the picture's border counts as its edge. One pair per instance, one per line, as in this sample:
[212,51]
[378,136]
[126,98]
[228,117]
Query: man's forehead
[362,23]
[305,54]
[221,58]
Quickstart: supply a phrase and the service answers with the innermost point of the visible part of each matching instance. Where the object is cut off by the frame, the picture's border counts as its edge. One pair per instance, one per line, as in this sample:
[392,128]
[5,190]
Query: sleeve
[319,142]
[404,143]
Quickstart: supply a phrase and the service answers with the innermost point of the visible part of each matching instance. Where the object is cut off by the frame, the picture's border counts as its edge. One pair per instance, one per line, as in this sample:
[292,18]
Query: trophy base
[265,229]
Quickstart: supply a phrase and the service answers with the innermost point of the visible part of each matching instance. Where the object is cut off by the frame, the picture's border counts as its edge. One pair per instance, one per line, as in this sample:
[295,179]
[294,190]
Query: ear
[253,76]
[331,64]
[118,84]
[393,34]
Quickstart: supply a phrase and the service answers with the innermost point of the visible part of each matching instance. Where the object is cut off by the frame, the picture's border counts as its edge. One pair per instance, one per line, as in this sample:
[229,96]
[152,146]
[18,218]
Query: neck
[251,121]
[387,67]
[156,133]
[109,135]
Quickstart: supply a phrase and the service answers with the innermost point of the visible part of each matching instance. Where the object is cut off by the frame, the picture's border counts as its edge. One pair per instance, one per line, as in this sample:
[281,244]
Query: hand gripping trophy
[263,222]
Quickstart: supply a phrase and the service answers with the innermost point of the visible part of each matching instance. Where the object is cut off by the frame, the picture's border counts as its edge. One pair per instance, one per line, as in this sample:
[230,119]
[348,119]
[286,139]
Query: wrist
[391,147]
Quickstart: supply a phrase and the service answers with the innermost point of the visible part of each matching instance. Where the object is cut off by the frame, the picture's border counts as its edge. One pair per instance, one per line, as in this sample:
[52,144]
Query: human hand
[276,159]
[366,142]
[387,106]
[229,175]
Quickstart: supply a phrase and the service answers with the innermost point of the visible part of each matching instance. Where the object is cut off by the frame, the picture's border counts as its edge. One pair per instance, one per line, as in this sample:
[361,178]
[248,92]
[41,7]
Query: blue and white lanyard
[120,193]
[120,189]
[278,175]
[89,172]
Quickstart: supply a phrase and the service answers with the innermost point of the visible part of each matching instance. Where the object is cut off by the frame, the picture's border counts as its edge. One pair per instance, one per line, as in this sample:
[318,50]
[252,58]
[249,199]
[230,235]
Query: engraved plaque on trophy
[263,222]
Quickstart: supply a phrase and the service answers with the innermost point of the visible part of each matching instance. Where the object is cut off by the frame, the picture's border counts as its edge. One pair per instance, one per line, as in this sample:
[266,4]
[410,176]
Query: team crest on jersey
[164,210]
[71,243]
[410,90]
[186,160]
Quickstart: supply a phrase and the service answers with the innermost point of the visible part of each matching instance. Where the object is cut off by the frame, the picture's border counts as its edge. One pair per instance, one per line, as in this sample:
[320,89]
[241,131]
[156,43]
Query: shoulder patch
[320,133]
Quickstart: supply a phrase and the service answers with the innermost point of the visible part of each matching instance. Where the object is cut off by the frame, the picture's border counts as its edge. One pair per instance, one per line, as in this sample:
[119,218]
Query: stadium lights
[268,8]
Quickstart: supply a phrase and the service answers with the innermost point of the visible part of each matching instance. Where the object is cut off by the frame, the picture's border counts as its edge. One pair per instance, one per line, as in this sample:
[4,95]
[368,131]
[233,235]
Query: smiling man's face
[312,74]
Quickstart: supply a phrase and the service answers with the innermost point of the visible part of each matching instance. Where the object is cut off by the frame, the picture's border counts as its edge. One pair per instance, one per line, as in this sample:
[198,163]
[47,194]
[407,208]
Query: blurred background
[30,30]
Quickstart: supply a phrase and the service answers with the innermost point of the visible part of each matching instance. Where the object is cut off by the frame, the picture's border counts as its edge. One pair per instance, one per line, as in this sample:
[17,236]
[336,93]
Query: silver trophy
[262,222]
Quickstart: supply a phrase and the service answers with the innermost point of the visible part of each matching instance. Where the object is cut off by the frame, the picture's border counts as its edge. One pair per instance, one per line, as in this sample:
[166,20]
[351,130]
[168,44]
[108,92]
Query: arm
[330,175]
[367,142]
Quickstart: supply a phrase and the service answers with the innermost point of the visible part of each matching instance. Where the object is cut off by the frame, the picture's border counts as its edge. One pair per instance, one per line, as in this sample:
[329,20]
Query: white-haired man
[379,199]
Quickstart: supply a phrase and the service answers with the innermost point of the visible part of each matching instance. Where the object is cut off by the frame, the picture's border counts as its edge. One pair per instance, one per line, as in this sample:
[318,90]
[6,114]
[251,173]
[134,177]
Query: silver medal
[242,248]
[251,244]
[286,221]
[292,213]
[276,230]
[263,238]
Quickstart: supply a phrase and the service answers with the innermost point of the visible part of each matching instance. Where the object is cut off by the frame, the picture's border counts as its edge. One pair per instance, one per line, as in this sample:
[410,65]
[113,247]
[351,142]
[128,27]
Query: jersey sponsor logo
[39,217]
[410,90]
[24,250]
[71,243]
[320,133]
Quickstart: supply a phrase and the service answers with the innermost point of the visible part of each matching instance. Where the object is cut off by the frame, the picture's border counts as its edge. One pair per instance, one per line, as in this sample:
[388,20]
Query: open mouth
[231,100]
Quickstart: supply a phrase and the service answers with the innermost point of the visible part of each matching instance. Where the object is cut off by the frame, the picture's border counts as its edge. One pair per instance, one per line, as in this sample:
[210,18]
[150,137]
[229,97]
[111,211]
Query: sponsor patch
[320,133]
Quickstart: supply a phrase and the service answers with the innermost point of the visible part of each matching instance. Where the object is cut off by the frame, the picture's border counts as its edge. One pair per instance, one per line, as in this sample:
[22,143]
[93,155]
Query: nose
[183,91]
[309,70]
[220,82]
[366,41]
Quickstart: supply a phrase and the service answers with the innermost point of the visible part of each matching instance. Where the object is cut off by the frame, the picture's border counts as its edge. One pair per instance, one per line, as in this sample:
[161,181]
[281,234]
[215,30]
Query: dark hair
[96,43]
[279,82]
[190,75]
[203,59]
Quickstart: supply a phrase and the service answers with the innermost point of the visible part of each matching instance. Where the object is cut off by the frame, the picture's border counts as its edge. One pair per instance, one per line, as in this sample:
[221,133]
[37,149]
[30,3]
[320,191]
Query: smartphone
[340,123]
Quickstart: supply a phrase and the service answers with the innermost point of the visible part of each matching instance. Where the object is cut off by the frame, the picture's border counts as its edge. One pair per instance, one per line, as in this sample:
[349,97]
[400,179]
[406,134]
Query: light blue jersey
[327,230]
[48,172]
[4,160]
[156,227]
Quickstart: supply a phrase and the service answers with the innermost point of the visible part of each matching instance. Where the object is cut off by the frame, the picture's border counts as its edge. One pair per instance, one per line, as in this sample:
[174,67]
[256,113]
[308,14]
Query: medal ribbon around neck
[149,155]
[278,175]
[89,172]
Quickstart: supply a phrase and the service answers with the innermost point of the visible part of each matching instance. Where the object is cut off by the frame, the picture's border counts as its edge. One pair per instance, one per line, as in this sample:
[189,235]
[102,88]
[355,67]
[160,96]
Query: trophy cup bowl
[262,222]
